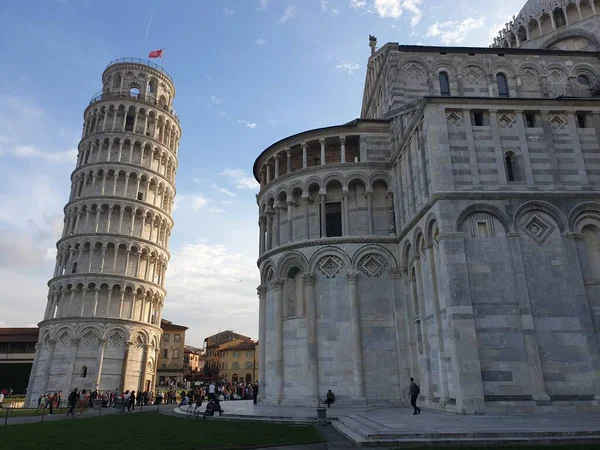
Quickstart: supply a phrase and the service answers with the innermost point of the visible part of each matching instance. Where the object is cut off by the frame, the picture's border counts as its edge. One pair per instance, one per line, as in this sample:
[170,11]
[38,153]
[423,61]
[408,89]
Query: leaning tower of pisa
[101,328]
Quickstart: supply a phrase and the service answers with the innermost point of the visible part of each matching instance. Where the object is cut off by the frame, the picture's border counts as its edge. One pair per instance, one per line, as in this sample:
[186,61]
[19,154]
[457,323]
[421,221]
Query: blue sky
[247,73]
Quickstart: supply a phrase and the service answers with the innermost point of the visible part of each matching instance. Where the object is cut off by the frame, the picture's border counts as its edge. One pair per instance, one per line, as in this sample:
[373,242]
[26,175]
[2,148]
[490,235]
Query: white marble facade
[452,234]
[101,328]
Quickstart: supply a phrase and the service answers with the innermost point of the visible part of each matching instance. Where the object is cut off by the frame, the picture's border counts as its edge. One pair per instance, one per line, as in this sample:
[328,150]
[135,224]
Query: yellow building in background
[170,359]
[237,363]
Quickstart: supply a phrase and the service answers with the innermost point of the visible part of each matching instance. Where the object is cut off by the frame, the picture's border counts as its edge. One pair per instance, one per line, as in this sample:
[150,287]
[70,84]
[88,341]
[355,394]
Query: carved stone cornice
[328,241]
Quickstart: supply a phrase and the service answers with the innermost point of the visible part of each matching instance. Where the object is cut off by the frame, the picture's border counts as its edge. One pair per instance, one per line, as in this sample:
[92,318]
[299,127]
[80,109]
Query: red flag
[155,53]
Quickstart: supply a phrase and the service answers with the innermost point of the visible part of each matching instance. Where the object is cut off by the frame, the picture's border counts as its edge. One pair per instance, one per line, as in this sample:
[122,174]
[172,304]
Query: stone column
[583,308]
[261,237]
[455,288]
[125,365]
[288,165]
[268,169]
[290,205]
[346,214]
[96,292]
[142,381]
[29,401]
[71,364]
[322,142]
[269,243]
[343,149]
[398,296]
[311,336]
[369,195]
[391,213]
[307,201]
[276,158]
[99,362]
[304,146]
[278,340]
[276,226]
[357,356]
[262,337]
[322,216]
[536,375]
[461,84]
[48,366]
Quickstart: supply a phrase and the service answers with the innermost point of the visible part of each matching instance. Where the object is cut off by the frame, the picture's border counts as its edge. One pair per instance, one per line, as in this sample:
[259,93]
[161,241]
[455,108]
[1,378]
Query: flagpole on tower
[163,57]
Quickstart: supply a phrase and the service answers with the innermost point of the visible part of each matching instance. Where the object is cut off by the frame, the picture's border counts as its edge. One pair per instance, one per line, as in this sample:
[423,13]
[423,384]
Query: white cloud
[333,10]
[216,100]
[198,180]
[391,9]
[216,210]
[240,179]
[324,5]
[290,11]
[28,151]
[201,277]
[274,122]
[348,67]
[412,6]
[222,113]
[358,4]
[262,5]
[198,201]
[454,32]
[223,190]
[229,12]
[247,124]
[260,41]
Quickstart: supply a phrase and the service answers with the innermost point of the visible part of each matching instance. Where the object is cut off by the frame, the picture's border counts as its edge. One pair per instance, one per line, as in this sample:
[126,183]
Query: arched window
[583,80]
[444,84]
[559,17]
[502,85]
[84,372]
[234,378]
[134,92]
[512,165]
[235,365]
[249,365]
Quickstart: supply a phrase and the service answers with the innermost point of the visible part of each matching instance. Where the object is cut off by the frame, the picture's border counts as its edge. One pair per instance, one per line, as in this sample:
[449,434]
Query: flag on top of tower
[155,53]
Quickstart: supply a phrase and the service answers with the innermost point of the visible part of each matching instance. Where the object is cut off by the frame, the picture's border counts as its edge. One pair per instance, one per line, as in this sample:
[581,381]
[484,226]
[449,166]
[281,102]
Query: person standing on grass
[414,390]
[131,404]
[211,391]
[72,400]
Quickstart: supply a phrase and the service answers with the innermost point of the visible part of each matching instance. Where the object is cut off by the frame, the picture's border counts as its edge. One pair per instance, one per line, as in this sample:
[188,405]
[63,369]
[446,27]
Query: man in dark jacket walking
[414,392]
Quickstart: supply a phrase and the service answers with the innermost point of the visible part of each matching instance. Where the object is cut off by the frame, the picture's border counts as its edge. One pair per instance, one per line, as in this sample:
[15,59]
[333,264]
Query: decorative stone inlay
[414,70]
[64,338]
[89,337]
[139,342]
[538,229]
[473,75]
[372,265]
[330,266]
[556,75]
[476,219]
[557,122]
[506,120]
[116,338]
[454,119]
[529,77]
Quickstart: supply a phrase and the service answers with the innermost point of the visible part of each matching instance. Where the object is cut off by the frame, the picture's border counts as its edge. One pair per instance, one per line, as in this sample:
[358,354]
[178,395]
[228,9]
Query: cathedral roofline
[353,123]
[486,50]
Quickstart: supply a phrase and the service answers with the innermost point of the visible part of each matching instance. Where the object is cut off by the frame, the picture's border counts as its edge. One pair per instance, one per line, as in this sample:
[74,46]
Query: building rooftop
[19,334]
[165,324]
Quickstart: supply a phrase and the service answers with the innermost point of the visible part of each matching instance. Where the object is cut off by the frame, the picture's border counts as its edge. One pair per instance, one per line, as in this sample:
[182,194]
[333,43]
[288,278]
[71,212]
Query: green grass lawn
[152,431]
[25,412]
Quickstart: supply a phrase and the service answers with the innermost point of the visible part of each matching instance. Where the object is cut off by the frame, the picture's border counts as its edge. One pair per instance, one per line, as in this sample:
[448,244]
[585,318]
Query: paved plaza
[384,426]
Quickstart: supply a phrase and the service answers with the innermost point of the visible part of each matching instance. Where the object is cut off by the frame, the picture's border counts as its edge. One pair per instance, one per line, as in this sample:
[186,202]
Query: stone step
[355,423]
[463,439]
